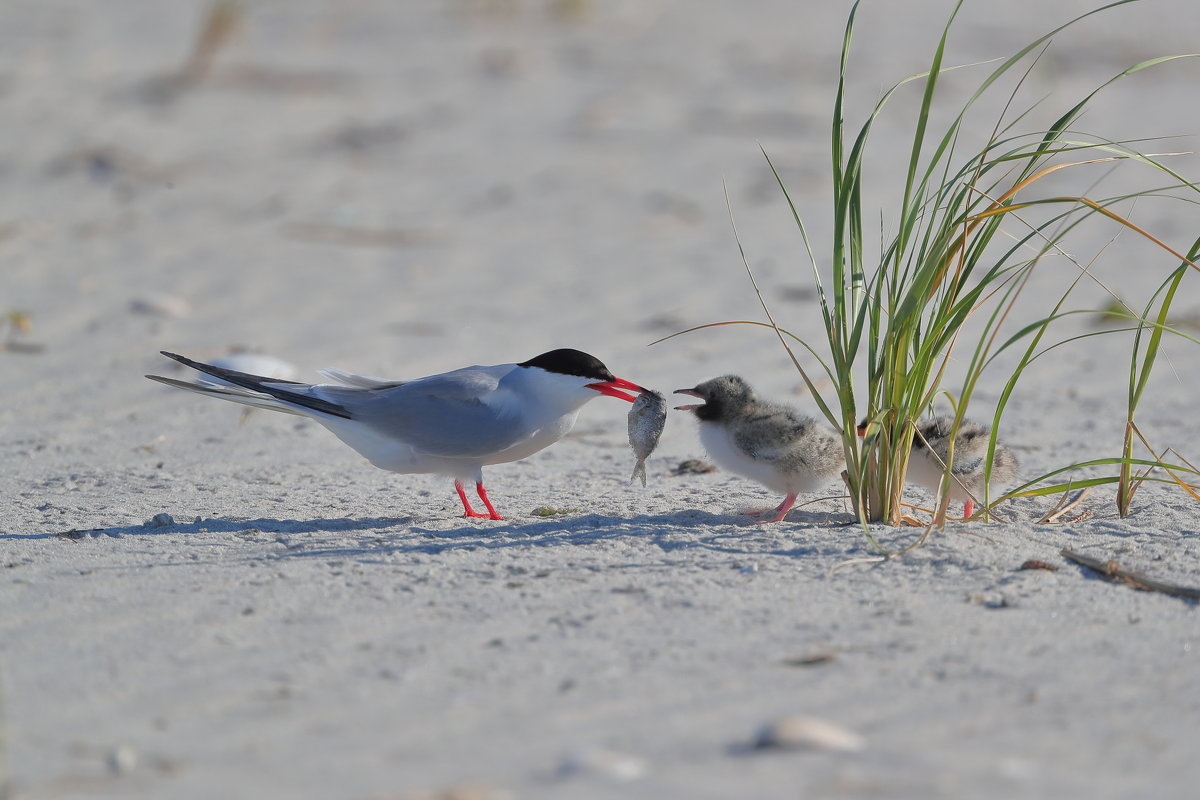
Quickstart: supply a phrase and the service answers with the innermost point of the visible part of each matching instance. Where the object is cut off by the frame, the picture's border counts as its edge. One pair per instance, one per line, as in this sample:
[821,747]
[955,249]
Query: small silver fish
[647,419]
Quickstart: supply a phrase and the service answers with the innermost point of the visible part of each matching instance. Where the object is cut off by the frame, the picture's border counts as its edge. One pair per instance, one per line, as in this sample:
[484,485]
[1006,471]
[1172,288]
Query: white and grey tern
[453,424]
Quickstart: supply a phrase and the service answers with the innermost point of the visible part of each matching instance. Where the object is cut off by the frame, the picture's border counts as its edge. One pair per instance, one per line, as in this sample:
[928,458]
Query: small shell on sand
[161,305]
[603,763]
[798,732]
[467,792]
[122,760]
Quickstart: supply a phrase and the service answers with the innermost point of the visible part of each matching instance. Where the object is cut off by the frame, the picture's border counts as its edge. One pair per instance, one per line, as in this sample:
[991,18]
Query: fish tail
[639,470]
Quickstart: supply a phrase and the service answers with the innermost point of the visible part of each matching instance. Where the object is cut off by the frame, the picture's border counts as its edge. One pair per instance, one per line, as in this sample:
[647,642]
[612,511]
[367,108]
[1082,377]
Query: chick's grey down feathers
[767,442]
[931,450]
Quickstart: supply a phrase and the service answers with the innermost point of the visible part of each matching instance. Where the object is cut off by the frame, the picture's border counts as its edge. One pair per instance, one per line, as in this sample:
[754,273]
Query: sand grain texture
[403,188]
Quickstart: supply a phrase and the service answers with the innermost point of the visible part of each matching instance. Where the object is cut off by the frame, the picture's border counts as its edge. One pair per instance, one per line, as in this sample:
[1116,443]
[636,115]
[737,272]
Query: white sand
[324,629]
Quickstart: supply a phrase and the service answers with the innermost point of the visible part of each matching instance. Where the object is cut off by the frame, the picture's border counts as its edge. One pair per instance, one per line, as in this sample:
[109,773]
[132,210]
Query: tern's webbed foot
[477,515]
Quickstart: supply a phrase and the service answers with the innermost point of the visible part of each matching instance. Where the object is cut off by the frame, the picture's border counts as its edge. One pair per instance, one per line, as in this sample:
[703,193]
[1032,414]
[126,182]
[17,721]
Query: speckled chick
[926,463]
[770,443]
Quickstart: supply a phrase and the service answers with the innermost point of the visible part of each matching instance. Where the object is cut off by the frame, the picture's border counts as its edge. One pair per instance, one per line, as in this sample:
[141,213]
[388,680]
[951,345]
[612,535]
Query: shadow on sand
[680,530]
[266,525]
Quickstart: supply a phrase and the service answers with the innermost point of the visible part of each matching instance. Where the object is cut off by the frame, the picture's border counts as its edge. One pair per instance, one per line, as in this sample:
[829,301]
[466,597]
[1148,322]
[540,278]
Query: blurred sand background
[403,188]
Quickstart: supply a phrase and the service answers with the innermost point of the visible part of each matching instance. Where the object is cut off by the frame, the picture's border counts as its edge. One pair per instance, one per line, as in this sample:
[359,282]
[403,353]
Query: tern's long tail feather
[232,393]
[279,396]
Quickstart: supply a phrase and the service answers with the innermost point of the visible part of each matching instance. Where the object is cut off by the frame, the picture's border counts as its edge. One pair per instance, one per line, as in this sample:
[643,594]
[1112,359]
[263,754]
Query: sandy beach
[195,607]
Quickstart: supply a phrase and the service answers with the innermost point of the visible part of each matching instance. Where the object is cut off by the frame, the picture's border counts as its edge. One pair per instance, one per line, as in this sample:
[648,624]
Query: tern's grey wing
[468,383]
[441,415]
[461,384]
[358,381]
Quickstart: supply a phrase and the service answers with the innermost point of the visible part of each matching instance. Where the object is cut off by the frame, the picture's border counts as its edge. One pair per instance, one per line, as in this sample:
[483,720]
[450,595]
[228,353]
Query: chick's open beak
[692,393]
[613,389]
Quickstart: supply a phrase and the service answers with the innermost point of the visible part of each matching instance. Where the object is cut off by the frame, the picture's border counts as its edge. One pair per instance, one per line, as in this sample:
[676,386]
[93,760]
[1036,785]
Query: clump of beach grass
[968,234]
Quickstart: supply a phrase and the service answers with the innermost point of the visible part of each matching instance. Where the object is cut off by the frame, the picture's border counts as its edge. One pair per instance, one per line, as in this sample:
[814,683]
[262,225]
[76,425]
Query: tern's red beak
[692,393]
[613,388]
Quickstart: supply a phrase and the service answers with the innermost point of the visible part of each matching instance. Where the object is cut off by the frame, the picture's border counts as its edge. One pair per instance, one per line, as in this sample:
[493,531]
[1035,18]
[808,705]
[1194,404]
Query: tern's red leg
[467,510]
[483,496]
[968,507]
[781,510]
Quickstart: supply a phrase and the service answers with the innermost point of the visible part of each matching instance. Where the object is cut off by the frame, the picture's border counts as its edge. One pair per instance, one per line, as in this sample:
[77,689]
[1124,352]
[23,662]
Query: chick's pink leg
[968,507]
[781,510]
[483,496]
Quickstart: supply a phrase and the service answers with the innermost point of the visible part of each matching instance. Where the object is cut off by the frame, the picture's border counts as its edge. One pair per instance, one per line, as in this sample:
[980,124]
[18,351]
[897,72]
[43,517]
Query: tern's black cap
[566,361]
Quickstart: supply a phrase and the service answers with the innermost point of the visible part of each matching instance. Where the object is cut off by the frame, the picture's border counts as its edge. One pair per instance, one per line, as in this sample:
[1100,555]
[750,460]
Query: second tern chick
[770,443]
[927,464]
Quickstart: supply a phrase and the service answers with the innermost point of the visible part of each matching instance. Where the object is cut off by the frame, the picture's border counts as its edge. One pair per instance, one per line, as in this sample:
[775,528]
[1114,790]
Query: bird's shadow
[680,530]
[210,525]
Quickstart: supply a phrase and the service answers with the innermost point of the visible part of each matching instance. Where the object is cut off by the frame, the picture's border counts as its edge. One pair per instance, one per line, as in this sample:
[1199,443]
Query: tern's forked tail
[271,387]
